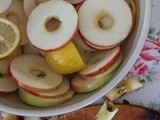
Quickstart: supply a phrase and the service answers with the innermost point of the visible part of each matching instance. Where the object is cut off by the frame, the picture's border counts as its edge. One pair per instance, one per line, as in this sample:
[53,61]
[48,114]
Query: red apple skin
[97,47]
[104,68]
[44,96]
[29,88]
[67,42]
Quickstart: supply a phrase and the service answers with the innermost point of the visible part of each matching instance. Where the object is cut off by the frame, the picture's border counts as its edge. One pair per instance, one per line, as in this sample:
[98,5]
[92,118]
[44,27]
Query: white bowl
[131,50]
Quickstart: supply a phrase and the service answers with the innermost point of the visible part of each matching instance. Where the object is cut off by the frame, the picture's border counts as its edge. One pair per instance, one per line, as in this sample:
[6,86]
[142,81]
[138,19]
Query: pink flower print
[149,55]
[141,68]
[150,44]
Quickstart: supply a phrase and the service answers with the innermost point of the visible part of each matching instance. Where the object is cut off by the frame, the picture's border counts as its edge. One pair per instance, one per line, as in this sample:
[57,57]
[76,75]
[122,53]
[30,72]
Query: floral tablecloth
[147,67]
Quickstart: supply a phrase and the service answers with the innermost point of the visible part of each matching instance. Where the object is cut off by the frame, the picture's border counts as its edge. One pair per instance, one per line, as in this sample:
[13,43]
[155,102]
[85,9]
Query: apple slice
[75,1]
[78,41]
[90,84]
[66,25]
[4,63]
[103,25]
[7,85]
[99,66]
[97,47]
[63,89]
[44,102]
[31,72]
[4,5]
[16,14]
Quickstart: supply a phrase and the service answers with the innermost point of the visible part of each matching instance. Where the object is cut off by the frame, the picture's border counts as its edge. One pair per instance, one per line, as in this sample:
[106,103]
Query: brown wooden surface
[125,112]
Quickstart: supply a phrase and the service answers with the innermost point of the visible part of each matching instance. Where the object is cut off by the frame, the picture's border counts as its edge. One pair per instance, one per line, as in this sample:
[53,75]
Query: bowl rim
[44,112]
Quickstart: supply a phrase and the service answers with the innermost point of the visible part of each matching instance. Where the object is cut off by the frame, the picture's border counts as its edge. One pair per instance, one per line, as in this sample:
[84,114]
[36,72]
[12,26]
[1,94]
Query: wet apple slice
[7,85]
[103,25]
[90,84]
[4,5]
[31,72]
[39,32]
[101,64]
[44,102]
[63,89]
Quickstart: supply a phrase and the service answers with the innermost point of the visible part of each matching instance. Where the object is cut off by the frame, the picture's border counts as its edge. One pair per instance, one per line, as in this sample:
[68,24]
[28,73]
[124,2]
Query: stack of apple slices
[38,84]
[100,70]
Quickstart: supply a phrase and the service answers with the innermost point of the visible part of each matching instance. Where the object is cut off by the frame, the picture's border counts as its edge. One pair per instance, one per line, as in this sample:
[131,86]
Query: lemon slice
[65,60]
[9,37]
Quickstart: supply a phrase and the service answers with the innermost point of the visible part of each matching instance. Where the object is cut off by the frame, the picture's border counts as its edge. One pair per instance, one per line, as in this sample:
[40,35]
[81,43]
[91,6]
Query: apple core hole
[52,24]
[37,73]
[13,17]
[106,22]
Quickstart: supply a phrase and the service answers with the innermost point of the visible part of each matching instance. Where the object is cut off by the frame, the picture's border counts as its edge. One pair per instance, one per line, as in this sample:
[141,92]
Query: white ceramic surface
[131,50]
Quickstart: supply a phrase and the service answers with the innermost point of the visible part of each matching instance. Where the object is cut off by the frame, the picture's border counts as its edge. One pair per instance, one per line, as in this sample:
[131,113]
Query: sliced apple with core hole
[66,25]
[16,14]
[31,72]
[4,63]
[6,84]
[101,64]
[103,25]
[63,89]
[90,84]
[65,60]
[4,5]
[44,102]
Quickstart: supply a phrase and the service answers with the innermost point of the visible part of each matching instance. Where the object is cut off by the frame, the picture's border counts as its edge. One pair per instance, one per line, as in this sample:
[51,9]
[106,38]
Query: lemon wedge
[9,37]
[65,60]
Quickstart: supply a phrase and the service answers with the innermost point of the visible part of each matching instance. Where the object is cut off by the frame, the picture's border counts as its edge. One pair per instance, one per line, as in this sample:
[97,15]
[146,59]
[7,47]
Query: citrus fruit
[9,37]
[65,60]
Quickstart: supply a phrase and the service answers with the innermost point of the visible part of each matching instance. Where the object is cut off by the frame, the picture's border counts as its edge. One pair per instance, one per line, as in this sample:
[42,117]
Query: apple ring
[105,22]
[66,20]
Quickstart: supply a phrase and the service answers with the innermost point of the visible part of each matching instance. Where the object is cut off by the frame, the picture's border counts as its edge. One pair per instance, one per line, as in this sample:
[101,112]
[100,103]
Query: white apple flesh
[99,66]
[4,5]
[44,39]
[60,91]
[103,25]
[32,73]
[16,14]
[44,102]
[7,85]
[80,85]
